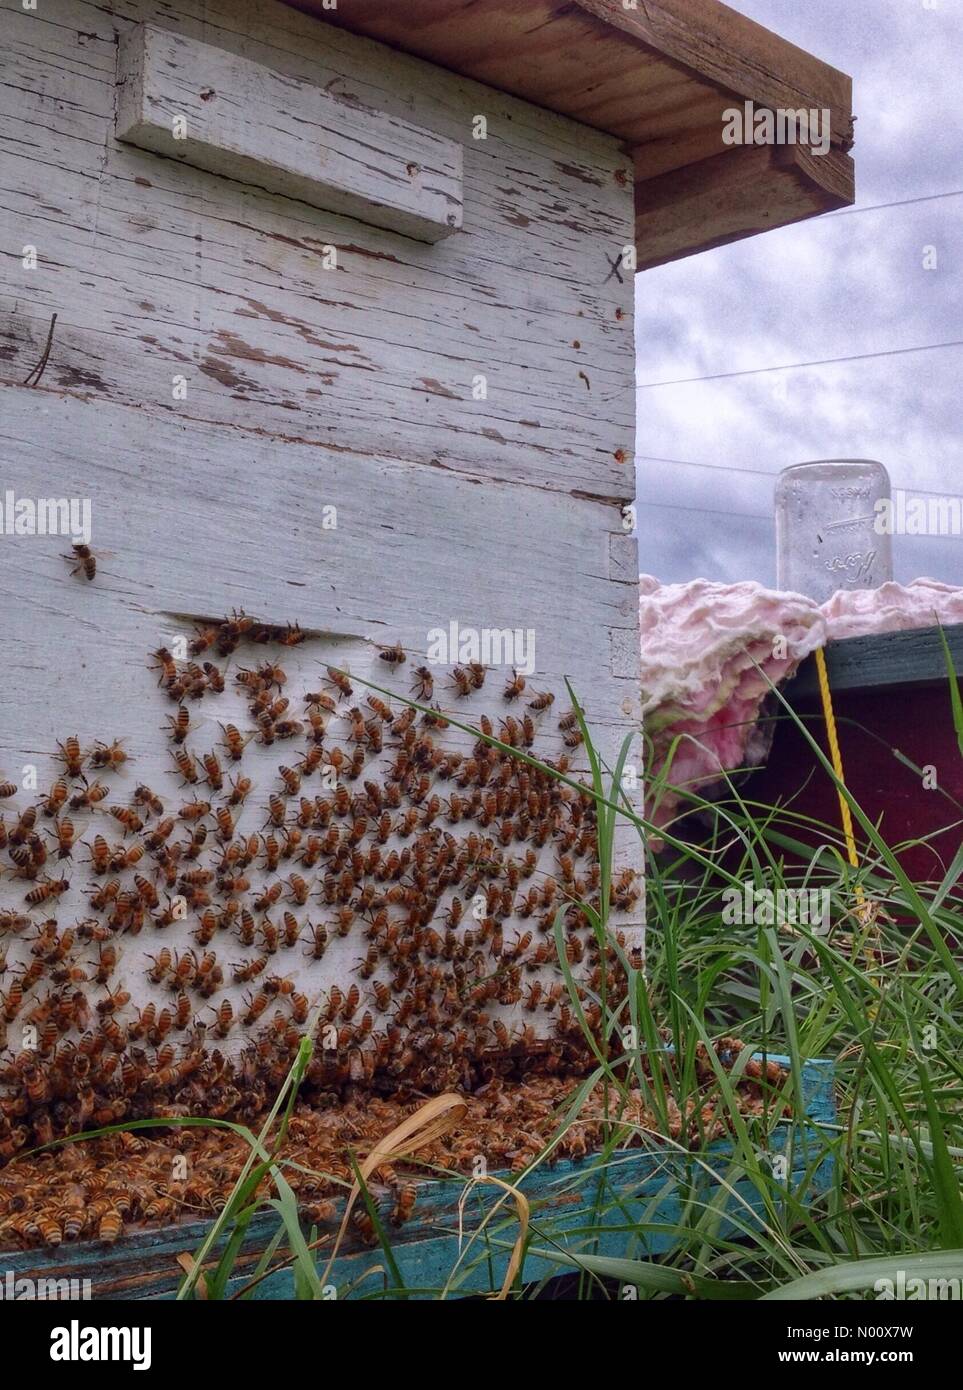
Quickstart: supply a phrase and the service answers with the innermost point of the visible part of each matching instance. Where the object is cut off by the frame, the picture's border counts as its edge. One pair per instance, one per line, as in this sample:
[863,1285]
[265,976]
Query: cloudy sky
[840,285]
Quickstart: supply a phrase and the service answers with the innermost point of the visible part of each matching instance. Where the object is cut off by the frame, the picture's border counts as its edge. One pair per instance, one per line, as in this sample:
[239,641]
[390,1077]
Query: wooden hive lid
[659,76]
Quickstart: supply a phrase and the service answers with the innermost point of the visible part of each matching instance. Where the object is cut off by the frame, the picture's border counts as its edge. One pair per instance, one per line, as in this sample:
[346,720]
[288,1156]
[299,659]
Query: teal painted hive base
[626,1208]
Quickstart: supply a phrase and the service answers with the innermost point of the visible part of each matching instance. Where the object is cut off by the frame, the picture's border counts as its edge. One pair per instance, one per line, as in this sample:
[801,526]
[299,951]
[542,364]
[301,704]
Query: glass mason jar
[830,534]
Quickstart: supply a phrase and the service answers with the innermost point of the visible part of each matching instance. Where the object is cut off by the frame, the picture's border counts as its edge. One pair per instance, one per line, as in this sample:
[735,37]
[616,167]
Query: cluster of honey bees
[387,888]
[95,1189]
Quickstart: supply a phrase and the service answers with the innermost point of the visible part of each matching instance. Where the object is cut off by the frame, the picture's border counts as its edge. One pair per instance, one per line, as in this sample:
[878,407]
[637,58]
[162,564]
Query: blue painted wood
[629,1206]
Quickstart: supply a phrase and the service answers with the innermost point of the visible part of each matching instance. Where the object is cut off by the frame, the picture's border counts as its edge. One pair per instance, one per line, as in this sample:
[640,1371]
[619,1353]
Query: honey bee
[89,795]
[291,780]
[110,1225]
[204,639]
[232,630]
[194,810]
[394,656]
[224,1018]
[64,835]
[8,789]
[85,558]
[164,662]
[405,1198]
[254,1007]
[52,888]
[110,756]
[215,678]
[462,681]
[340,681]
[55,798]
[514,687]
[186,766]
[299,888]
[424,683]
[542,700]
[434,719]
[71,756]
[112,1001]
[143,796]
[240,789]
[128,818]
[214,778]
[234,741]
[476,674]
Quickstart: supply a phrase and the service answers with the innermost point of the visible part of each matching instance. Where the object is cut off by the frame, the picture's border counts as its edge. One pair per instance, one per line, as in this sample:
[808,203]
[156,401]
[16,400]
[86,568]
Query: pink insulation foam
[708,649]
[892,608]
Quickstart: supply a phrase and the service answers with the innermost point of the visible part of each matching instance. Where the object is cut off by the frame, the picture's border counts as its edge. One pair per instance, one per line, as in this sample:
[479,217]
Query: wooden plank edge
[634,1176]
[747,190]
[883,660]
[735,53]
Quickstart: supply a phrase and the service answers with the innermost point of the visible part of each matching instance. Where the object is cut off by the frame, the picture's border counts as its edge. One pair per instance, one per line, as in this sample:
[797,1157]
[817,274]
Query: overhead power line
[898,203]
[794,366]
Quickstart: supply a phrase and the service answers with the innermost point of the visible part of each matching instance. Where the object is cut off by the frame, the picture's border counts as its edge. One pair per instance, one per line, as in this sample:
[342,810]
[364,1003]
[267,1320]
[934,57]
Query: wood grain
[504,351]
[648,1190]
[747,190]
[249,123]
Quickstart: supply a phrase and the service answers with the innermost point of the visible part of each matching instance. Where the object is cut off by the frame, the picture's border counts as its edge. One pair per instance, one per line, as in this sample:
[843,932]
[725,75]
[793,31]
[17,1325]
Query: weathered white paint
[504,351]
[191,101]
[196,520]
[211,388]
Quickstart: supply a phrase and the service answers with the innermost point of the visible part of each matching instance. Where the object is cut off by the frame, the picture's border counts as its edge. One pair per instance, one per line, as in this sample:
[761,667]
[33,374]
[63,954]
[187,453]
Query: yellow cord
[836,756]
[863,909]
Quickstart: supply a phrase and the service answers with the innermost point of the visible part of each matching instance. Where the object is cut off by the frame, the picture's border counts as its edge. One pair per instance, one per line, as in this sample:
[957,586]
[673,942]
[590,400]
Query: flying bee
[108,755]
[85,558]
